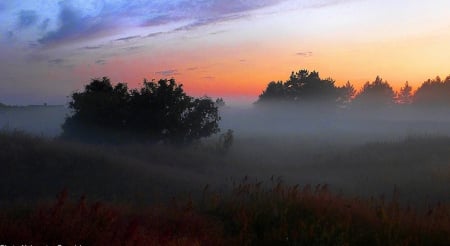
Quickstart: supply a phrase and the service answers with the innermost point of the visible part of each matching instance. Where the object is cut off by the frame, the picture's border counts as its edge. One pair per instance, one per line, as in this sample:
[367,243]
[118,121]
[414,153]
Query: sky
[220,48]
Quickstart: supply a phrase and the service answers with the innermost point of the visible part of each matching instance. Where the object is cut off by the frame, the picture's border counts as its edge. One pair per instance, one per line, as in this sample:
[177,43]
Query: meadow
[309,188]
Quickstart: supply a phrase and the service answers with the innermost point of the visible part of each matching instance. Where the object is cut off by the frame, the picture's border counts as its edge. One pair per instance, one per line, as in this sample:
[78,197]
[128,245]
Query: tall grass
[251,214]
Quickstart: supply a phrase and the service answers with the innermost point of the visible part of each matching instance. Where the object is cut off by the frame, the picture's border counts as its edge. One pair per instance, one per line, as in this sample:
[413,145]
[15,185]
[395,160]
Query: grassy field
[297,191]
[250,214]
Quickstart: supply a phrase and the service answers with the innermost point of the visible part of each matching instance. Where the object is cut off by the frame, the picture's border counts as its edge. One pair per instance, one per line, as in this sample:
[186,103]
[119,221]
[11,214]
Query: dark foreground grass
[251,214]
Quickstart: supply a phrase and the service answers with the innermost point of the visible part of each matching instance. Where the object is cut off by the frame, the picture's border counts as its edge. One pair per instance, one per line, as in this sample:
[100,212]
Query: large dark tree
[306,87]
[433,93]
[376,94]
[158,111]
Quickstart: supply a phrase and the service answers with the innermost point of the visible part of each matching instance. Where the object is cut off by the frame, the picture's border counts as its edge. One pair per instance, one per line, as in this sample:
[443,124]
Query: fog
[336,125]
[38,120]
[364,152]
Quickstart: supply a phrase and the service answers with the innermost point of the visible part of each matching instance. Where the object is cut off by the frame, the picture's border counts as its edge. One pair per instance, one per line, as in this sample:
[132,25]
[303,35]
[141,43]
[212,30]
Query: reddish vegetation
[251,215]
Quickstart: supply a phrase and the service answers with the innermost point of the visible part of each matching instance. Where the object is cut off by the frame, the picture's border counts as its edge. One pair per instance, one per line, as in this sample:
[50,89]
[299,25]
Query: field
[310,188]
[197,195]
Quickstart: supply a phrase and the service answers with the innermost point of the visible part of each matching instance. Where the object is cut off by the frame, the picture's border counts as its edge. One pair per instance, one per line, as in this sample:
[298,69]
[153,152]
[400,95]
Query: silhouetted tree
[376,94]
[404,96]
[346,93]
[435,93]
[304,87]
[220,102]
[158,111]
[274,92]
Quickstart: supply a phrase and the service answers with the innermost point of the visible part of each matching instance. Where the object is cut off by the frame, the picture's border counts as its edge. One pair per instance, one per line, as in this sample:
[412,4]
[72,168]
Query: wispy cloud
[131,48]
[96,47]
[167,73]
[304,53]
[70,21]
[100,62]
[77,23]
[57,61]
[129,38]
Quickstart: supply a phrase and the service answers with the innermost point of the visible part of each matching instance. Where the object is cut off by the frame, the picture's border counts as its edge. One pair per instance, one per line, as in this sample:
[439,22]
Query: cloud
[126,39]
[192,68]
[91,18]
[74,26]
[209,77]
[131,48]
[100,62]
[305,53]
[27,18]
[79,20]
[167,73]
[217,32]
[57,61]
[96,47]
[160,20]
[209,21]
[151,35]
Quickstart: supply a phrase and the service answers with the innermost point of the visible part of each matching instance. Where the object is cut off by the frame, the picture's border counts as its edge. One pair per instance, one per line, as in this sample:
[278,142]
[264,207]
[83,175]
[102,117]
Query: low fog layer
[336,125]
[38,120]
[320,122]
[362,152]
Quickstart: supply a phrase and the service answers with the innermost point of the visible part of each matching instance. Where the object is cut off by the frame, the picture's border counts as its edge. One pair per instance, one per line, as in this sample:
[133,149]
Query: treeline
[304,87]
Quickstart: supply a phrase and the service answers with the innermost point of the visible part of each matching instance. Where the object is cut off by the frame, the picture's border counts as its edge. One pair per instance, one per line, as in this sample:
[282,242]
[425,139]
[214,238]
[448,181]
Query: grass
[251,214]
[155,195]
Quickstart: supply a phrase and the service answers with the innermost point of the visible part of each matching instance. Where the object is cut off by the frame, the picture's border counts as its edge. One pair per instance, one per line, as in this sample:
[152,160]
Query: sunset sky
[225,48]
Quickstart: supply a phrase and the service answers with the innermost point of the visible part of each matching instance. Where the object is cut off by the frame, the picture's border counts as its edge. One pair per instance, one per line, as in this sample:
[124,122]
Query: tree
[158,111]
[302,87]
[274,92]
[220,102]
[435,93]
[346,93]
[375,94]
[404,96]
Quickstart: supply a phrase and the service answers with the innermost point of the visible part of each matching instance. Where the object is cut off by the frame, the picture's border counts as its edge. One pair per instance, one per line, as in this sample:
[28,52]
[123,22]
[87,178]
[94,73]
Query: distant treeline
[308,87]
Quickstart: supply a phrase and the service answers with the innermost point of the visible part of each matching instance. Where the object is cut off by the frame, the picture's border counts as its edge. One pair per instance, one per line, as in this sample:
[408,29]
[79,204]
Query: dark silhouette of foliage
[404,96]
[220,102]
[306,87]
[435,93]
[375,94]
[225,141]
[346,92]
[158,111]
[274,92]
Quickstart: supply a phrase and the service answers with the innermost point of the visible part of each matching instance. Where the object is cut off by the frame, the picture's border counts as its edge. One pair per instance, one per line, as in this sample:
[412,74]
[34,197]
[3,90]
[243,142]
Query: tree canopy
[435,93]
[375,94]
[306,87]
[158,111]
[405,96]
